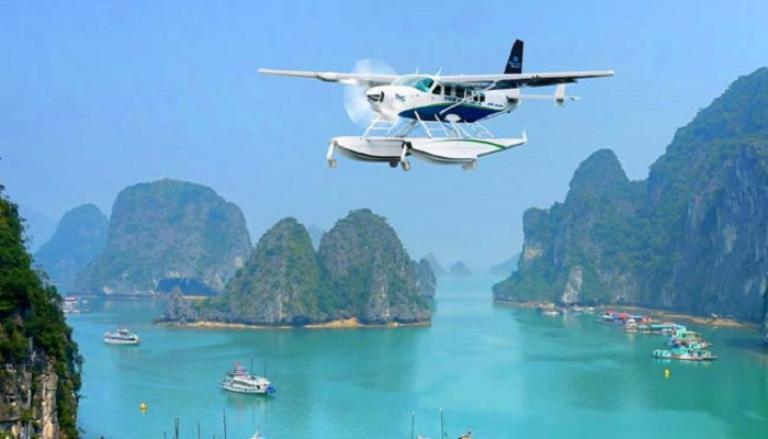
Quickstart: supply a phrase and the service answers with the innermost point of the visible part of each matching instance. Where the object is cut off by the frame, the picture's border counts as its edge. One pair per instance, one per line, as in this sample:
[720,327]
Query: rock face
[39,362]
[370,272]
[437,269]
[281,284]
[79,237]
[460,269]
[692,237]
[360,271]
[426,281]
[29,387]
[168,234]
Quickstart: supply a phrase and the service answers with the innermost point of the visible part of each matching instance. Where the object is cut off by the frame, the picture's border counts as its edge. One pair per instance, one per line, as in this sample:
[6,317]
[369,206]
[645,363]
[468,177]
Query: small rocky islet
[360,275]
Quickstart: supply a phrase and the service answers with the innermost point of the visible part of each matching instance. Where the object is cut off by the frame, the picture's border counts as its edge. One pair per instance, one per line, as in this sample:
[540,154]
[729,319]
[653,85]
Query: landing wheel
[393,164]
[406,165]
[332,163]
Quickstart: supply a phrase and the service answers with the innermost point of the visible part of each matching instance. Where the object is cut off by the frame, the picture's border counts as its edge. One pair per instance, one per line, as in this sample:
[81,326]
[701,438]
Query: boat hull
[663,354]
[247,390]
[122,342]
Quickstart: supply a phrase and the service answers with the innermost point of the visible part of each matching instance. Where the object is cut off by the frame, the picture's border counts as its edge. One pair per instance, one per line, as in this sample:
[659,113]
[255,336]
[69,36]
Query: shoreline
[351,323]
[662,314]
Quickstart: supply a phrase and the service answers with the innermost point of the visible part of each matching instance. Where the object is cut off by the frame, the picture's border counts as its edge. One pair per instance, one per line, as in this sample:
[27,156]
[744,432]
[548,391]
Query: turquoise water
[504,373]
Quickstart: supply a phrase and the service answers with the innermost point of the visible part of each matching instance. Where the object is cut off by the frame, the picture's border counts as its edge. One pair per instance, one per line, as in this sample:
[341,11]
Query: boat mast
[224,418]
[442,425]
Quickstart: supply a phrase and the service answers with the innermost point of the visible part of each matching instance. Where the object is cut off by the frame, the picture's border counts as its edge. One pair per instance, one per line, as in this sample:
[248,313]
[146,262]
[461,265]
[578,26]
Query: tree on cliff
[30,317]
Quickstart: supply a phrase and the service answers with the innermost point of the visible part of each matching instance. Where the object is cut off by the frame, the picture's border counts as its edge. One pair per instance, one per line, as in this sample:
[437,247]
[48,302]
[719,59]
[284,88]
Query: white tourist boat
[121,337]
[239,380]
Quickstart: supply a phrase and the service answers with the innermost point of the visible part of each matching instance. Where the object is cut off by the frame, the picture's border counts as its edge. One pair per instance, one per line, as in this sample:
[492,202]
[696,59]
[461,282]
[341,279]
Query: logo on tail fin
[515,61]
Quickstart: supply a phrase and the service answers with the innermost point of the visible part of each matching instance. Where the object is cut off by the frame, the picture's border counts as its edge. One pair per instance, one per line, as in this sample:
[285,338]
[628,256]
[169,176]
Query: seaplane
[438,117]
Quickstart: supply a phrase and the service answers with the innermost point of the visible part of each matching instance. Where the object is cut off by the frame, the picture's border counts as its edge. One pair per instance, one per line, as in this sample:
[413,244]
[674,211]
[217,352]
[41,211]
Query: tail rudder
[515,61]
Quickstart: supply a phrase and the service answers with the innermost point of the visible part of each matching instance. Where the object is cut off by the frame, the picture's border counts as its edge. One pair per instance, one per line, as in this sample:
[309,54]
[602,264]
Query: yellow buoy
[667,373]
[143,407]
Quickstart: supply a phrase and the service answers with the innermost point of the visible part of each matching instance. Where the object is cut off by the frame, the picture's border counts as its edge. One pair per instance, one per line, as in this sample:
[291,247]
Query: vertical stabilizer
[515,61]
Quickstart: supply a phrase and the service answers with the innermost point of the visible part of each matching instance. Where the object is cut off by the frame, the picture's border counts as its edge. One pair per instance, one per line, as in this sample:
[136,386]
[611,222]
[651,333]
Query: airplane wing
[505,81]
[360,79]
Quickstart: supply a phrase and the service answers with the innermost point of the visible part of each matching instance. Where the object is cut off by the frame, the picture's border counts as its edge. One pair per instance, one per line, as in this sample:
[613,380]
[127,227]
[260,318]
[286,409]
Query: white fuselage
[422,97]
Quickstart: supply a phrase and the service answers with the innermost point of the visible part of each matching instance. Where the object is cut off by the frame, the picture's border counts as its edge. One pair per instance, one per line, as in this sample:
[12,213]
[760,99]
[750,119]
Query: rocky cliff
[39,362]
[437,269]
[692,237]
[426,281]
[281,284]
[370,272]
[168,234]
[361,271]
[79,237]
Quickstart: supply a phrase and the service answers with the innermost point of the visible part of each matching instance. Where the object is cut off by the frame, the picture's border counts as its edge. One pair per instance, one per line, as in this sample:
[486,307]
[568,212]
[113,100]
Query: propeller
[355,102]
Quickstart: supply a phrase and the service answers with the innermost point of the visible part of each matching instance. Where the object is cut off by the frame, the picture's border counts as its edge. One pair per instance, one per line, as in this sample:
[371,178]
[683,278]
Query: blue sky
[99,95]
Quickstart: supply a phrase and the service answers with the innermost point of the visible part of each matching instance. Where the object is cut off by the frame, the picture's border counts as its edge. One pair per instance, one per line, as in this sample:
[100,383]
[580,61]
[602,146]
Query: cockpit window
[421,83]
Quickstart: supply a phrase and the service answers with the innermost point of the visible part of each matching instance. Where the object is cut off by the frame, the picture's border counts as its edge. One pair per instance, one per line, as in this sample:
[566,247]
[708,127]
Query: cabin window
[421,83]
[459,92]
[448,90]
[438,90]
[482,97]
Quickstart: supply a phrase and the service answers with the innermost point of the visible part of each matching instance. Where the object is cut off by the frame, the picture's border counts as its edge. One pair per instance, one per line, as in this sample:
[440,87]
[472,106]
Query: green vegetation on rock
[361,271]
[281,284]
[35,342]
[168,234]
[370,272]
[79,237]
[690,237]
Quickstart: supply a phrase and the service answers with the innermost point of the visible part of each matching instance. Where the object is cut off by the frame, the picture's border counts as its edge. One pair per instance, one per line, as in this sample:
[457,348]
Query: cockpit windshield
[421,83]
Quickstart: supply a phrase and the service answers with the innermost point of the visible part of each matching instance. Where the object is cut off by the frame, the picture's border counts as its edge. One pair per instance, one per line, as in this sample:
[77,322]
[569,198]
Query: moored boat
[239,380]
[684,354]
[633,326]
[121,337]
[687,339]
[551,312]
[667,328]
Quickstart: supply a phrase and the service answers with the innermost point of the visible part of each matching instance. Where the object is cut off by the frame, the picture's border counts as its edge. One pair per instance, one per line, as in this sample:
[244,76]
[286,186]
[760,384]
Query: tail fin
[515,61]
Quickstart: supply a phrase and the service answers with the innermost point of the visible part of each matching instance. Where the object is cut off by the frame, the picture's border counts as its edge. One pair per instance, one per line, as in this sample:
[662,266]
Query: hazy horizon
[101,96]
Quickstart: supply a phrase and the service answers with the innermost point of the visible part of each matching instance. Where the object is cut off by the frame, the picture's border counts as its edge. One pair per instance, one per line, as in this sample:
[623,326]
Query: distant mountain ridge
[361,271]
[691,237]
[506,267]
[460,269]
[168,234]
[80,235]
[437,269]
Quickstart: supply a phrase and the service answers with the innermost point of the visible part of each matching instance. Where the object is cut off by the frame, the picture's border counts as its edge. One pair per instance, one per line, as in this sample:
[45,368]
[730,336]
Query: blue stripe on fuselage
[467,113]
